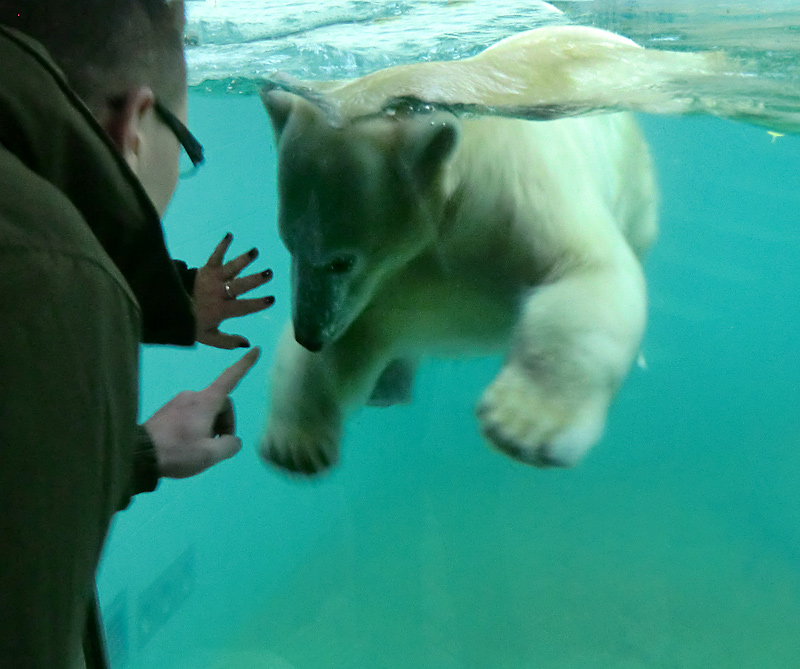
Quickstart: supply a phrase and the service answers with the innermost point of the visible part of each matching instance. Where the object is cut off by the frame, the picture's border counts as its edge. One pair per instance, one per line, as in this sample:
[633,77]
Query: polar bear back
[559,174]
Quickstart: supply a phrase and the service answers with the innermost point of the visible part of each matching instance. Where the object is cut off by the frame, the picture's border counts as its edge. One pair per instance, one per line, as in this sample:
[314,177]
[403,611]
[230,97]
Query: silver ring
[228,291]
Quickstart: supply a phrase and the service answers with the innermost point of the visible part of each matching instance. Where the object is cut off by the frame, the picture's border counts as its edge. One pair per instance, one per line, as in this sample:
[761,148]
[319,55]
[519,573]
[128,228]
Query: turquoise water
[675,544]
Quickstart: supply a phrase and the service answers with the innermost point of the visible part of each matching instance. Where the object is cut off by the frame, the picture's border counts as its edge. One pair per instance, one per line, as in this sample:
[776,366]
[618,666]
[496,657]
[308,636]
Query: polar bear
[413,231]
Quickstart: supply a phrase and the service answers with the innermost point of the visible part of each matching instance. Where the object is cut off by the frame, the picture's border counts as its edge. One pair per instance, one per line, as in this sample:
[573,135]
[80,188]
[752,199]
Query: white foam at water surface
[345,38]
[234,45]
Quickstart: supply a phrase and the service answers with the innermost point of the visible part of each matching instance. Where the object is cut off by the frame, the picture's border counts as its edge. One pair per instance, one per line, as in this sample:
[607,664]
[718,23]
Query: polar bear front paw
[536,427]
[302,449]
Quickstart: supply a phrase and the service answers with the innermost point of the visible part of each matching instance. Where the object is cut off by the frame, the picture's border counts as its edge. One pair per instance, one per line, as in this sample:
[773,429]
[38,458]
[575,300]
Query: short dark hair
[106,47]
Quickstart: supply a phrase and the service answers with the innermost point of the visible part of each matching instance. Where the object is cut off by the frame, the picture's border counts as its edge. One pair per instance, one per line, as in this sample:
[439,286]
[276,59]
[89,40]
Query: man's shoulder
[38,221]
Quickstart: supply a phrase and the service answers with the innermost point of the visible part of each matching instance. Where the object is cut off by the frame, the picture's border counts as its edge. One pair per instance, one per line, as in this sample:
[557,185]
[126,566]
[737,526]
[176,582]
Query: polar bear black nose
[313,344]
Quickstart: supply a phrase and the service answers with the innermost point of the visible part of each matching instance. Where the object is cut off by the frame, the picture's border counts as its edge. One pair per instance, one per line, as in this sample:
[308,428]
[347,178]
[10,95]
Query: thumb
[221,448]
[222,340]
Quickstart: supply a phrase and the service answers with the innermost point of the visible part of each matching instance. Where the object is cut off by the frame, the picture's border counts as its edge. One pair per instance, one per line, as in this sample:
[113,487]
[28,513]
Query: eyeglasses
[193,148]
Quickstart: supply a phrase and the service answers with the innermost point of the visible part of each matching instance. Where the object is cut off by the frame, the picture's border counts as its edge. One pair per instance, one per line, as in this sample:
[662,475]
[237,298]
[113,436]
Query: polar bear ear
[432,139]
[279,105]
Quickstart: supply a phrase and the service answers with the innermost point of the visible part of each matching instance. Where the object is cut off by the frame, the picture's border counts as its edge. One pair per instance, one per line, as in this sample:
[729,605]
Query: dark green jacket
[84,278]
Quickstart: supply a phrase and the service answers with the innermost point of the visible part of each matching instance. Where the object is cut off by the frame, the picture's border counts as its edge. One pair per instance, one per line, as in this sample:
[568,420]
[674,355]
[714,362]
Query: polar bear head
[358,200]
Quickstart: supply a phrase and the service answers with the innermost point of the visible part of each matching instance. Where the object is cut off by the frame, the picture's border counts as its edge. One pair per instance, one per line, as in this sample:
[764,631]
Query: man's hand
[216,289]
[196,430]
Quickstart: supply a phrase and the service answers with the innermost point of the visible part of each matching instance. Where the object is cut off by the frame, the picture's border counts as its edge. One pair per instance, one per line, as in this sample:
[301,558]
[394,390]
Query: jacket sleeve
[145,466]
[187,275]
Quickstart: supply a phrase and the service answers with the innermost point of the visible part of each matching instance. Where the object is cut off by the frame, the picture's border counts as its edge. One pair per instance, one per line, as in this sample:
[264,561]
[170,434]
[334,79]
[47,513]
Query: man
[92,107]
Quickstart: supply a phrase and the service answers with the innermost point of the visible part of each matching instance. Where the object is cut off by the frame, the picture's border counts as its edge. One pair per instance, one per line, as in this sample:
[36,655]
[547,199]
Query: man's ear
[123,120]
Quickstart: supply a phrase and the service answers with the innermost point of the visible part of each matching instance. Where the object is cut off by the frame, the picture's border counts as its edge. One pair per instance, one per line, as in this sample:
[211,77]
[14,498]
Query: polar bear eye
[341,265]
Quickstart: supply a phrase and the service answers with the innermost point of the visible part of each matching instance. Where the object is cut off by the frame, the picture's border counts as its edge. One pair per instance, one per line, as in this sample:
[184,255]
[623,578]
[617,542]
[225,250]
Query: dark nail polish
[267,274]
[228,236]
[244,345]
[269,300]
[253,253]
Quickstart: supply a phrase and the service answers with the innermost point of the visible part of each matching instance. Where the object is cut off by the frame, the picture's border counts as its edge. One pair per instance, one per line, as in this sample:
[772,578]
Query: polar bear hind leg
[394,385]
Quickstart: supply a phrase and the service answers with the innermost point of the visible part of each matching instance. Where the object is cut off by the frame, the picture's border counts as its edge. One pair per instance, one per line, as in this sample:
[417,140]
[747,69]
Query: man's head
[120,56]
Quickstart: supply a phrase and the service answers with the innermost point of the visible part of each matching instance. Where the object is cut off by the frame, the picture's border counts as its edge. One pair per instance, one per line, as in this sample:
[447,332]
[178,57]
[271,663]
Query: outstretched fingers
[216,258]
[234,267]
[247,283]
[249,306]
